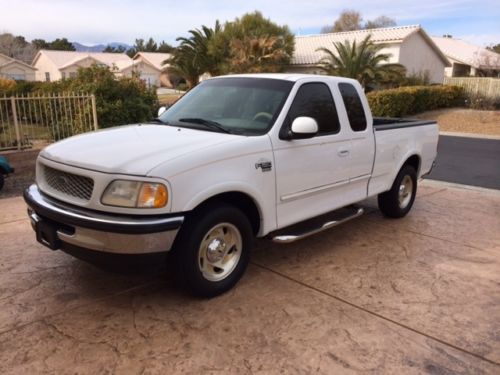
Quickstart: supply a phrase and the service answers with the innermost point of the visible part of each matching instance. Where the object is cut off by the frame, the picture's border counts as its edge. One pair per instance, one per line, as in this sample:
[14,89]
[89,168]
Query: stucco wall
[418,56]
[18,70]
[149,74]
[393,50]
[45,65]
[73,69]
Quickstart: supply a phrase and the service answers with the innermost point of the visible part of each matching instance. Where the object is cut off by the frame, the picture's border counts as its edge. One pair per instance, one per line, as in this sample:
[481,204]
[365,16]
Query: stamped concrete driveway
[417,295]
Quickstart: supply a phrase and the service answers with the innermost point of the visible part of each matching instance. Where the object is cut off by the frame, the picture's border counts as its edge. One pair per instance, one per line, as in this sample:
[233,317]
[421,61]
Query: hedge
[119,101]
[405,101]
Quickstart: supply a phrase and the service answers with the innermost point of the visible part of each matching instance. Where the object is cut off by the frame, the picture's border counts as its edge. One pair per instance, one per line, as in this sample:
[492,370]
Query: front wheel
[398,201]
[212,251]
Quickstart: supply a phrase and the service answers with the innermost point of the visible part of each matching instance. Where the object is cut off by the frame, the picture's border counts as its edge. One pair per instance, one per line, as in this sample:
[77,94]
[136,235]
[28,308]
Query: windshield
[247,106]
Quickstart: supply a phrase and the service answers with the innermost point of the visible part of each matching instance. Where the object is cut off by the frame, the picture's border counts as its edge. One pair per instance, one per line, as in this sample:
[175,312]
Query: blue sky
[101,21]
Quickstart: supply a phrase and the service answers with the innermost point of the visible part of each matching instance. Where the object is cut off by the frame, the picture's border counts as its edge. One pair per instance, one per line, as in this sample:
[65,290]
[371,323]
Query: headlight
[135,194]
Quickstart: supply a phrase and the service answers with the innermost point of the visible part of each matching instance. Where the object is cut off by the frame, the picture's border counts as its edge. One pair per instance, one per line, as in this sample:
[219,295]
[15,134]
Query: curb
[470,135]
[444,184]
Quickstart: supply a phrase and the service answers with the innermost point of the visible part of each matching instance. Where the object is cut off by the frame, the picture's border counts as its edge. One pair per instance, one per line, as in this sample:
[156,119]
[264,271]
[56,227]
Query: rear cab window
[315,100]
[354,107]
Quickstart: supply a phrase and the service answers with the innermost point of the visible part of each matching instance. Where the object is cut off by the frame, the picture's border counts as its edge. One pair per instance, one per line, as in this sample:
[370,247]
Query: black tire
[188,257]
[2,179]
[391,203]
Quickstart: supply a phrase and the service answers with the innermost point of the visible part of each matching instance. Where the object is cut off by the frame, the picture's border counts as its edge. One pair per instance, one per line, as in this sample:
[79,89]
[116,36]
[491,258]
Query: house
[56,65]
[468,59]
[152,68]
[408,45]
[16,69]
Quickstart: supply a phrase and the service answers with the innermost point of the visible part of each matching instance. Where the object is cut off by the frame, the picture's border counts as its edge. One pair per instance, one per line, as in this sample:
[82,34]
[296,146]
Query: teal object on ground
[5,167]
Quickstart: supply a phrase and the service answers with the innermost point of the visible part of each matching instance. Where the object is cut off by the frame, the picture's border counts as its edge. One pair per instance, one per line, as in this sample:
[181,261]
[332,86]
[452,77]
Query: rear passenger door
[362,139]
[312,175]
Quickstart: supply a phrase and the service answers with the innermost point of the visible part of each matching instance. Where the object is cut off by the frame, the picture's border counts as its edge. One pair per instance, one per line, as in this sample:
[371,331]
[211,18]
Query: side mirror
[304,127]
[161,110]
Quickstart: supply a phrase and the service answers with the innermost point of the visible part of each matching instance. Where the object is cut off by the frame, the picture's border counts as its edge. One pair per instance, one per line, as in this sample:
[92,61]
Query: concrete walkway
[416,295]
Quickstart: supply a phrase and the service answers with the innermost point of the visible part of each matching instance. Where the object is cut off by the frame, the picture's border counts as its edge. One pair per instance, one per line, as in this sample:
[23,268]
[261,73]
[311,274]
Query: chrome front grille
[68,183]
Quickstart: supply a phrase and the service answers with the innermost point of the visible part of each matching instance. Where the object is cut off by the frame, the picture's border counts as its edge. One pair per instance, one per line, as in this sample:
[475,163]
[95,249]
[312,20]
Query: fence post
[94,112]
[16,123]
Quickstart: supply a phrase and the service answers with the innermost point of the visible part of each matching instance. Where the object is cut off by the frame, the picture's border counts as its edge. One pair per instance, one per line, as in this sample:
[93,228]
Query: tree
[257,55]
[254,28]
[165,48]
[494,48]
[117,49]
[61,45]
[348,20]
[16,47]
[379,22]
[40,44]
[362,61]
[192,58]
[351,20]
[149,46]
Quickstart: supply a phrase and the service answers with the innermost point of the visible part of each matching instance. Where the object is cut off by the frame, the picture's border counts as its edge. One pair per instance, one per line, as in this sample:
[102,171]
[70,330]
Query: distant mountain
[99,47]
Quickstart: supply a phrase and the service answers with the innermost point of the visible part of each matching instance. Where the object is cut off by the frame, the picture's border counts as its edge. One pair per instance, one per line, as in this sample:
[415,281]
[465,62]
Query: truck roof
[293,77]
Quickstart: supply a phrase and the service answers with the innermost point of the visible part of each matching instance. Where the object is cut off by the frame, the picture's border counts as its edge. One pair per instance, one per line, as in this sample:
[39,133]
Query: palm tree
[182,64]
[193,58]
[362,61]
[257,55]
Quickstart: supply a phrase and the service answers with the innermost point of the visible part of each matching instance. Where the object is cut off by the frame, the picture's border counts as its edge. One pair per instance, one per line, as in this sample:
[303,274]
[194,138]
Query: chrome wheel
[405,191]
[220,251]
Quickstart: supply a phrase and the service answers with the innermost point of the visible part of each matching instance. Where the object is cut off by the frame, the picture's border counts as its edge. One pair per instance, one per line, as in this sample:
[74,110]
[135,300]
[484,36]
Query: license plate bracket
[46,234]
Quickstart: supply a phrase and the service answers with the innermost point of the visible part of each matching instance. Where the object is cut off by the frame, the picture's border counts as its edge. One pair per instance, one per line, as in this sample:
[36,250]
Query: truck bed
[387,123]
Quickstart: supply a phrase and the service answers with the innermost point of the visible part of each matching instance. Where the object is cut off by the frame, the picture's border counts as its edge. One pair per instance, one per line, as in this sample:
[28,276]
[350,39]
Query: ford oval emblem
[61,180]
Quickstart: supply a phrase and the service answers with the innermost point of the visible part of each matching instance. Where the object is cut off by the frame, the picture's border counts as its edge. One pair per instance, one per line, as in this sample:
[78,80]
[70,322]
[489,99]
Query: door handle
[343,153]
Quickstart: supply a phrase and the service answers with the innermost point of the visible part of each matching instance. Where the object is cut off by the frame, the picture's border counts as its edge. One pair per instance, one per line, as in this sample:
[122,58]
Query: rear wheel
[398,201]
[212,251]
[1,180]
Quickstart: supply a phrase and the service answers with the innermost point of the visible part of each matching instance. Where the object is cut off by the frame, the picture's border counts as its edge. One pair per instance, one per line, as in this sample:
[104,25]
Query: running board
[308,228]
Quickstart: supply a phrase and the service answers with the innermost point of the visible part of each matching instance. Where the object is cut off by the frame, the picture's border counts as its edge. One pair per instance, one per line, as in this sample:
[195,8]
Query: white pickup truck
[237,157]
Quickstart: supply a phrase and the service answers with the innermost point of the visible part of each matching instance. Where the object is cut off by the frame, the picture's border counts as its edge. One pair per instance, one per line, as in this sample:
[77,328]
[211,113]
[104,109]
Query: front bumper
[94,230]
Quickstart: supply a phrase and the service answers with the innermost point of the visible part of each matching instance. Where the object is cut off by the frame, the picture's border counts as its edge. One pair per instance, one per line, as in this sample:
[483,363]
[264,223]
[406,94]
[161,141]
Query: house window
[47,76]
[63,75]
[72,75]
[17,76]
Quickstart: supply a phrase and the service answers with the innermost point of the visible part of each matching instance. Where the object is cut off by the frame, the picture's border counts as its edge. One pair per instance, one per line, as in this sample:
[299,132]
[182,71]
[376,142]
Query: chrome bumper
[98,231]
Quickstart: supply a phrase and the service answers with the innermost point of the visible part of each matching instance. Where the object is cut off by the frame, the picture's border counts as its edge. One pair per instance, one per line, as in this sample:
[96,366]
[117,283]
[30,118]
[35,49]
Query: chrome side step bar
[287,238]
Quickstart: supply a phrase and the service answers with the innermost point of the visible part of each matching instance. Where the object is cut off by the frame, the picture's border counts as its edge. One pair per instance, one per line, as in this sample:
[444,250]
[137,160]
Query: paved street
[468,161]
[410,296]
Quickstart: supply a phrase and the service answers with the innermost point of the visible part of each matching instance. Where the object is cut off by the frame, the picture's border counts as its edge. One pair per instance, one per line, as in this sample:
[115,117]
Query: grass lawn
[168,98]
[465,120]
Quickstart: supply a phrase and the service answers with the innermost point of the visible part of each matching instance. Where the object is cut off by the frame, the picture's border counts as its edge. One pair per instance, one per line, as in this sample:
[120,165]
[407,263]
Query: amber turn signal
[152,195]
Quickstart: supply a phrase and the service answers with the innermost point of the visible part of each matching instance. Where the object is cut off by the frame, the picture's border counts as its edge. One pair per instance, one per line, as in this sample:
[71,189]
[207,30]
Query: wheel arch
[242,200]
[414,161]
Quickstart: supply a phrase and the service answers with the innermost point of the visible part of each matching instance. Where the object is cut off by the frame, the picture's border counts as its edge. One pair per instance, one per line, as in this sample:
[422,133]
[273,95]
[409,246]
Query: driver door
[312,175]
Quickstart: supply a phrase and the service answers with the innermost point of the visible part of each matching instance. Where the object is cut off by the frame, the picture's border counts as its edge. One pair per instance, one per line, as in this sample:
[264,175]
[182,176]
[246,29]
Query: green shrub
[405,101]
[118,100]
[182,87]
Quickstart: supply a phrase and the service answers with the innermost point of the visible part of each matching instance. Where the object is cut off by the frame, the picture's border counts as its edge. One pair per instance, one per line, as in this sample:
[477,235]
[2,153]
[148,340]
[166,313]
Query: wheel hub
[405,191]
[216,250]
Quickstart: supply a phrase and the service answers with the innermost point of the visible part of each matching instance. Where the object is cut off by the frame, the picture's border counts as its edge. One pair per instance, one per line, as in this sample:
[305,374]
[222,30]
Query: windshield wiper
[158,121]
[208,123]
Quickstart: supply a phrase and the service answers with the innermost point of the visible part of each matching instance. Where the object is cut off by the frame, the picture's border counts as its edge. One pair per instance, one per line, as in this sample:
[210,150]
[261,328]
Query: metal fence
[32,121]
[487,87]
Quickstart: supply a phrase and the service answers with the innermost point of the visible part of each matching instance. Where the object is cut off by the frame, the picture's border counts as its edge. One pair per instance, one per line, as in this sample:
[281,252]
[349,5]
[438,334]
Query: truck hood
[132,149]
